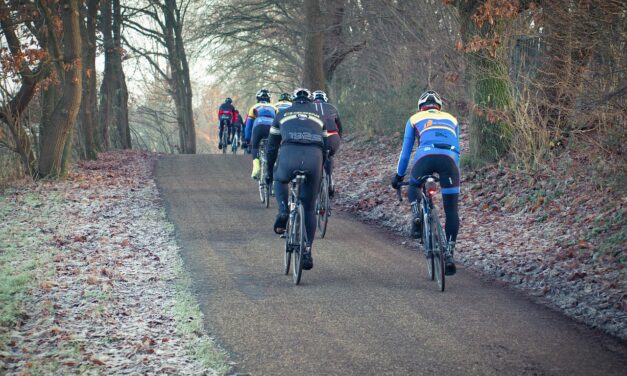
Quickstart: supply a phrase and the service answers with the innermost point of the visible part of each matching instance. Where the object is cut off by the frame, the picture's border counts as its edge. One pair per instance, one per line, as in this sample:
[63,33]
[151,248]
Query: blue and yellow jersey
[259,113]
[437,132]
[282,105]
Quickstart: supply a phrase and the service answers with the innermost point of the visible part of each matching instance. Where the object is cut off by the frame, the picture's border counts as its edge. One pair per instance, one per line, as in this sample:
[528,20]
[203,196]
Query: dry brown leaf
[92,279]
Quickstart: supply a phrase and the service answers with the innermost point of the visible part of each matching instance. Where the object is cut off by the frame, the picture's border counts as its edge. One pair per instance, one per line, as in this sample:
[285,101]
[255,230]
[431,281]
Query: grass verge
[190,324]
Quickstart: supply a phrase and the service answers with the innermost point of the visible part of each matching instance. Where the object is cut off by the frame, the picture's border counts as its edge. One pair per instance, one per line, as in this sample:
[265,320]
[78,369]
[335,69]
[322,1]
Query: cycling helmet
[263,95]
[285,97]
[301,94]
[228,100]
[319,94]
[430,98]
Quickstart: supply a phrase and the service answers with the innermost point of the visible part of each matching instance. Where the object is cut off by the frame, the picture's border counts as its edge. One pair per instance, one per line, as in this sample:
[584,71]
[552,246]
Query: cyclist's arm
[408,145]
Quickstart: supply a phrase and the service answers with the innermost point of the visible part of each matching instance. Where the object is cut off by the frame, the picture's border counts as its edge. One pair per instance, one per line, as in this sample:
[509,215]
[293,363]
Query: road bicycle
[264,188]
[234,143]
[433,238]
[323,203]
[295,233]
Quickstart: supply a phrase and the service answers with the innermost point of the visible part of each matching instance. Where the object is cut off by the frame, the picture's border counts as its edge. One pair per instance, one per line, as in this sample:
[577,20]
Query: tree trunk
[313,75]
[89,106]
[180,82]
[106,87]
[488,88]
[57,128]
[120,102]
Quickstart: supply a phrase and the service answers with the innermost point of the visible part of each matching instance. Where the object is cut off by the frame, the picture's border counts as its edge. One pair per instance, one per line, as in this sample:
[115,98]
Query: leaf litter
[106,302]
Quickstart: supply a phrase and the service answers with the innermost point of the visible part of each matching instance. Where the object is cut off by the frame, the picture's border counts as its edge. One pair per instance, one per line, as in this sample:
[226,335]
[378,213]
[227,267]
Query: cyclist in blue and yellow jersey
[285,101]
[438,152]
[258,124]
[331,117]
[300,135]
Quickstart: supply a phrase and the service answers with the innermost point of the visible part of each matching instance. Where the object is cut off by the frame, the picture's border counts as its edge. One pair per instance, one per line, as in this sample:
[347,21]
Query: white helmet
[263,95]
[430,97]
[301,93]
[319,94]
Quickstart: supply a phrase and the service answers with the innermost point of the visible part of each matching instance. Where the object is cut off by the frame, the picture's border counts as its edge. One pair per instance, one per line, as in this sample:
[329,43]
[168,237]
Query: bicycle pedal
[282,236]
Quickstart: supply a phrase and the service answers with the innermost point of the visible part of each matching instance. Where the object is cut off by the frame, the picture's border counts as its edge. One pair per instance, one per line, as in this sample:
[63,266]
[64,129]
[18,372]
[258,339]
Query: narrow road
[366,308]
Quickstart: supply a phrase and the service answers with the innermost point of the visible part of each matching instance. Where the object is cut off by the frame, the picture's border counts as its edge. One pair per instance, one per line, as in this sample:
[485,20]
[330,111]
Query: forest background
[537,85]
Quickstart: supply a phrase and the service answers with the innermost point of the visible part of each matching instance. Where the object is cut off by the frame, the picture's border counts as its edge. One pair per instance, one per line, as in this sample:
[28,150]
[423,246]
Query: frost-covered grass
[190,324]
[25,251]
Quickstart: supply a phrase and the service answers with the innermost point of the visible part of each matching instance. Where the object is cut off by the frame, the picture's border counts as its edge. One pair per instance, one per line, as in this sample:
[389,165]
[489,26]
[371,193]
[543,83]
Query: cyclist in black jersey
[300,133]
[331,118]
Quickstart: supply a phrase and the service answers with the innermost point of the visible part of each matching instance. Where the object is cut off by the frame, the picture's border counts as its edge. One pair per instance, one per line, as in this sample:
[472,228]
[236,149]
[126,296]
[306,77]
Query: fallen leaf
[92,279]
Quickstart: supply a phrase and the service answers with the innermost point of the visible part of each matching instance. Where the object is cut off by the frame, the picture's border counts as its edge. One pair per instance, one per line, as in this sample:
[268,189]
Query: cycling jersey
[331,117]
[282,105]
[437,132]
[259,113]
[300,124]
[226,112]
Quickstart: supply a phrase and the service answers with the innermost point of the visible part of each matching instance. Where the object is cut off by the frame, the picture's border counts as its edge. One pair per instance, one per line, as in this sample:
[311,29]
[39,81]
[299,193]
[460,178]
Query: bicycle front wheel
[437,235]
[298,245]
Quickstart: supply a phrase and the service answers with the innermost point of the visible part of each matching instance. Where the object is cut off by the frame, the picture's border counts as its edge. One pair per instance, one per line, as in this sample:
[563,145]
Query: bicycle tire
[267,192]
[324,202]
[427,243]
[288,245]
[438,249]
[298,244]
[234,144]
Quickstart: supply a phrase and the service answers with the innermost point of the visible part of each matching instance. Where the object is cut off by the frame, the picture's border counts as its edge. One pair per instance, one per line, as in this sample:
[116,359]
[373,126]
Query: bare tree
[165,27]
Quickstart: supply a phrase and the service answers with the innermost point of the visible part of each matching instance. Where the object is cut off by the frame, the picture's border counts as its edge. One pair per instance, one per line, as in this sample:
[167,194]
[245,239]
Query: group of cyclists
[304,133]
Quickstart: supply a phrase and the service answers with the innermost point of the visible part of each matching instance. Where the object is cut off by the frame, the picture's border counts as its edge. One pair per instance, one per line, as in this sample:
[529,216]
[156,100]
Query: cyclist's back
[258,122]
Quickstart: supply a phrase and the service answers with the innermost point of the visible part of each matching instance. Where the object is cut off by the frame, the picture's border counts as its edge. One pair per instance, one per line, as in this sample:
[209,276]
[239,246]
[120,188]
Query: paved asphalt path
[366,308]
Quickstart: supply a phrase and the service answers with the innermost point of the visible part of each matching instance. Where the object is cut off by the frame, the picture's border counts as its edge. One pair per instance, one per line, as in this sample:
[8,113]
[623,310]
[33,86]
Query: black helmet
[285,97]
[430,97]
[228,100]
[319,94]
[301,94]
[263,95]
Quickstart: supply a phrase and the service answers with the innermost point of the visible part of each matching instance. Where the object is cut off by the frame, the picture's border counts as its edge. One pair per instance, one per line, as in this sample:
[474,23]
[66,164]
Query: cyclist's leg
[282,176]
[260,132]
[310,158]
[423,166]
[220,131]
[450,184]
[333,143]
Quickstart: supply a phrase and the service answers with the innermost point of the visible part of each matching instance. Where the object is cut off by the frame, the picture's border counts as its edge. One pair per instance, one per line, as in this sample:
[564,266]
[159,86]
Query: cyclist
[258,124]
[285,101]
[438,152]
[300,133]
[237,124]
[331,117]
[225,115]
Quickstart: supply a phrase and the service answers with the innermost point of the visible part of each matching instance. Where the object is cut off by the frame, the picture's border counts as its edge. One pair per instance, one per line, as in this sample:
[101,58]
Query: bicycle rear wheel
[438,249]
[323,205]
[288,244]
[225,138]
[427,243]
[234,144]
[298,245]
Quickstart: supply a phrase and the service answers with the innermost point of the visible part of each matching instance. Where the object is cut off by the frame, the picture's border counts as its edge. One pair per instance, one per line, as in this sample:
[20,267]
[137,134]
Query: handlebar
[398,190]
